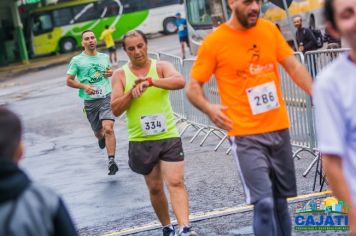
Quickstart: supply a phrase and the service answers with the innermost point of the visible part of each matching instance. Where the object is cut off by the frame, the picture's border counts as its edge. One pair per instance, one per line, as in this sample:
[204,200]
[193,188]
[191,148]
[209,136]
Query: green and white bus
[57,28]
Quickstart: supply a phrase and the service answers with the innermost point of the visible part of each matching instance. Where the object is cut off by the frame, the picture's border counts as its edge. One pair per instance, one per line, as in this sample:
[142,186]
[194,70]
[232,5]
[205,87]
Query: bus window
[108,8]
[42,24]
[160,3]
[62,16]
[85,12]
[199,12]
[134,5]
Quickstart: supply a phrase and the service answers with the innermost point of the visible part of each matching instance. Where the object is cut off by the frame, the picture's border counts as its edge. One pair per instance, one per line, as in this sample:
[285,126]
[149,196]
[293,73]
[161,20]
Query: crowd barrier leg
[202,129]
[220,143]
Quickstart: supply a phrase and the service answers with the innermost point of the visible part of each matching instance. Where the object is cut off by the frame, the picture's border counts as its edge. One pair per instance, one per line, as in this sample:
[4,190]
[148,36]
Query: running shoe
[101,143]
[168,231]
[187,231]
[112,166]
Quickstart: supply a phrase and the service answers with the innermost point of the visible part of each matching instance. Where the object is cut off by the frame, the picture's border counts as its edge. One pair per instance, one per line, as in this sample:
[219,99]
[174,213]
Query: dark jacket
[306,36]
[27,209]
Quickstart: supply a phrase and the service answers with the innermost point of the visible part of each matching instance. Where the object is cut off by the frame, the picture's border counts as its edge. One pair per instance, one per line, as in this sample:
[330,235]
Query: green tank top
[149,117]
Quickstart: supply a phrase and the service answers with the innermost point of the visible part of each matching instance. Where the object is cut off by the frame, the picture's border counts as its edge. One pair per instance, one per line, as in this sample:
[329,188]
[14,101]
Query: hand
[139,89]
[89,89]
[108,72]
[217,116]
[140,80]
[301,48]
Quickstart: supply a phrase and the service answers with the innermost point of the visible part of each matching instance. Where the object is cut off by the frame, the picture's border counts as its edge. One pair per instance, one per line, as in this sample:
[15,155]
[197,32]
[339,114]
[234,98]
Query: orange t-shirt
[245,66]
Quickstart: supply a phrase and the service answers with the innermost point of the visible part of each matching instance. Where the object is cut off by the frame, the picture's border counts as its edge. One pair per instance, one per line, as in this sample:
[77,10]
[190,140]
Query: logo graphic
[95,73]
[327,214]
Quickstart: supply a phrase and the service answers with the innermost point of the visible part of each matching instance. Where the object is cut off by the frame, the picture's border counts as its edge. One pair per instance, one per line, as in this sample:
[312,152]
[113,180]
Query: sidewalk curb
[6,75]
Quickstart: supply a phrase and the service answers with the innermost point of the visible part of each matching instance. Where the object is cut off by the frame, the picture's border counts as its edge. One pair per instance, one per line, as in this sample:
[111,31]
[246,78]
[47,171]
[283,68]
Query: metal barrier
[153,55]
[195,117]
[317,60]
[299,108]
[121,63]
[176,96]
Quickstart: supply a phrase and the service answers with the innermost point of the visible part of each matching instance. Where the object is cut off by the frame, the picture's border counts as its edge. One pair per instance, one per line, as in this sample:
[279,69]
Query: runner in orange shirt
[243,54]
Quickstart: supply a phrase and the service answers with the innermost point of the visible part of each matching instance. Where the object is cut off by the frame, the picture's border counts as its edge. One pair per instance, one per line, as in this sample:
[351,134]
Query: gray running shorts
[98,110]
[143,156]
[265,164]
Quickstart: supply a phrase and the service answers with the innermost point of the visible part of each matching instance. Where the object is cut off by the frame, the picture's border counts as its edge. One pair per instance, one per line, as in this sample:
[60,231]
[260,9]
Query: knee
[108,129]
[264,208]
[175,183]
[156,190]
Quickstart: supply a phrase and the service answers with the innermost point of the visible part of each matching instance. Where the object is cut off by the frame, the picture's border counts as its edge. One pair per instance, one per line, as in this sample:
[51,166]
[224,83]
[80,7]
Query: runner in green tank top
[141,88]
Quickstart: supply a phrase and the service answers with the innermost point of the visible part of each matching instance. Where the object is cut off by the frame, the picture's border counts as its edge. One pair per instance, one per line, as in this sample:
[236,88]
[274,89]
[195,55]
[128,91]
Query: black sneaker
[168,231]
[112,166]
[101,143]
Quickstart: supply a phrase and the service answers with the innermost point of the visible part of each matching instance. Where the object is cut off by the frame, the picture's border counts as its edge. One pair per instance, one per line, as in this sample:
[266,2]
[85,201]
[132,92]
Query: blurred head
[89,40]
[11,147]
[246,11]
[135,46]
[298,22]
[178,15]
[341,16]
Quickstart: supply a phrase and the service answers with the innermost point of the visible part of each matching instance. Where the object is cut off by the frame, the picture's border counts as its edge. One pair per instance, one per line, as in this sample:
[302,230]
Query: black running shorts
[143,156]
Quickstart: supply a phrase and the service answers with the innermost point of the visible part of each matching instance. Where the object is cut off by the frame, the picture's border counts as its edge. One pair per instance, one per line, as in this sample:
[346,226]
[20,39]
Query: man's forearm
[75,84]
[196,96]
[302,78]
[170,83]
[336,179]
[120,104]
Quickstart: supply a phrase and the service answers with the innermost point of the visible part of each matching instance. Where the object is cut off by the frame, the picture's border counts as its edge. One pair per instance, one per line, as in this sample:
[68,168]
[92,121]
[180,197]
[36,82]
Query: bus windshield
[198,13]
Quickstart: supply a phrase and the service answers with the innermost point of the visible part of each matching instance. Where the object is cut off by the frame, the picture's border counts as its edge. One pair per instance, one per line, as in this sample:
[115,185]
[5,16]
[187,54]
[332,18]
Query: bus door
[42,34]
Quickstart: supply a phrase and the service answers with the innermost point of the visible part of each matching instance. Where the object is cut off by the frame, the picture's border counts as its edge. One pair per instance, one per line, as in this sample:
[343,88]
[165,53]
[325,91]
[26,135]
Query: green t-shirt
[90,70]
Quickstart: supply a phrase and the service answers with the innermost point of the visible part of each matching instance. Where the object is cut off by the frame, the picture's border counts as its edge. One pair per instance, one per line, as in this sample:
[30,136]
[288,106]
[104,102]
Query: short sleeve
[282,47]
[331,127]
[72,67]
[204,65]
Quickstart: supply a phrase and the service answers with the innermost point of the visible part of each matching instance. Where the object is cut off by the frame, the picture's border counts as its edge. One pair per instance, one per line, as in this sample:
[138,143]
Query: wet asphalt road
[63,154]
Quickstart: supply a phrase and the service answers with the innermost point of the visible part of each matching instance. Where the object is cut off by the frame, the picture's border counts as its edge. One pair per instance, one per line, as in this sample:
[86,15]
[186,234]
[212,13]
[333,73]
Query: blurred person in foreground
[26,208]
[335,99]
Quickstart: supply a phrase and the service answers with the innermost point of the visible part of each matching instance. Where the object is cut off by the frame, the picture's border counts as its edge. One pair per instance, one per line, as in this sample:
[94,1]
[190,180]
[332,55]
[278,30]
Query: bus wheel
[169,25]
[67,45]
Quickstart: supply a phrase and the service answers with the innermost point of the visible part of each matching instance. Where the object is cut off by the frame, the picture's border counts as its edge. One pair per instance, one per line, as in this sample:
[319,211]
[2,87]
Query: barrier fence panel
[153,55]
[212,94]
[121,63]
[176,96]
[299,110]
[317,60]
[302,130]
[195,118]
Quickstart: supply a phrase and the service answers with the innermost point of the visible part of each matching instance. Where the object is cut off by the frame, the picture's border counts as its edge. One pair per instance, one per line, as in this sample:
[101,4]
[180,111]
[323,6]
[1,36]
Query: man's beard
[244,19]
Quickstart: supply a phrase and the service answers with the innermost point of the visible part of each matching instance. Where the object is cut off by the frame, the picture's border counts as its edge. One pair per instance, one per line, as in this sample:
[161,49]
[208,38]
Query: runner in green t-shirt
[89,72]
